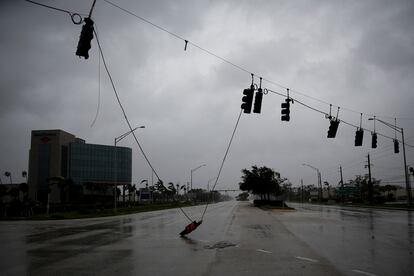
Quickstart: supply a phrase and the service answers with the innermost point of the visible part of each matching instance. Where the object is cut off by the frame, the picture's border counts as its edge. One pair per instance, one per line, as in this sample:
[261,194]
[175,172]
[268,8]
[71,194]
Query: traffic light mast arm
[407,180]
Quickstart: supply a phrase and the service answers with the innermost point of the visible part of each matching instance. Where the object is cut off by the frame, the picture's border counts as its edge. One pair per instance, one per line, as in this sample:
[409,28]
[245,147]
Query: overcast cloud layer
[358,55]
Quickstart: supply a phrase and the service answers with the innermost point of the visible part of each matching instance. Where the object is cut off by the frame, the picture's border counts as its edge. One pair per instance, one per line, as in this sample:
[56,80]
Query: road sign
[348,190]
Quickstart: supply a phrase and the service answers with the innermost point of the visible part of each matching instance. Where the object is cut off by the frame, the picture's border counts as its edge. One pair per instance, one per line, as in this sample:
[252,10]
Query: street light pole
[208,183]
[191,175]
[319,180]
[116,140]
[407,179]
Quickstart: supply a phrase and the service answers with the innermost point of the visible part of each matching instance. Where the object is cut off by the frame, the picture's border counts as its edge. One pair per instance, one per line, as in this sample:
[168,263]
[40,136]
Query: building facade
[59,154]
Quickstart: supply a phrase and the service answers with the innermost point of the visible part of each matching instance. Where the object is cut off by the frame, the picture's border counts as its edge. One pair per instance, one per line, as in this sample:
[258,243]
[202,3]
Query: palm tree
[129,188]
[24,175]
[134,191]
[8,174]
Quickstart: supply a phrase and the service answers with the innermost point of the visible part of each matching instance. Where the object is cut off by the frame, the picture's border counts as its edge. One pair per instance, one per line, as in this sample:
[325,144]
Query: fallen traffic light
[359,135]
[85,39]
[190,228]
[258,101]
[333,128]
[286,110]
[247,100]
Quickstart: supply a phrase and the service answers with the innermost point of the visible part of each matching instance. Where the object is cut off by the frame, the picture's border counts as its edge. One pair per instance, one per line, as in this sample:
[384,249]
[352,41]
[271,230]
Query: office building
[91,168]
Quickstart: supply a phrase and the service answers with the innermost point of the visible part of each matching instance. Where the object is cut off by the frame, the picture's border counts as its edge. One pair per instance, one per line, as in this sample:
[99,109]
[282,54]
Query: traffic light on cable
[247,100]
[85,39]
[374,140]
[286,110]
[396,146]
[258,101]
[333,128]
[359,135]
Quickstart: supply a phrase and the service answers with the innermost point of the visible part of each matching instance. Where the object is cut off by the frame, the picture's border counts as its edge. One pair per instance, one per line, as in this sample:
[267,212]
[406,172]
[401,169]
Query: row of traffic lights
[247,100]
[359,135]
[247,103]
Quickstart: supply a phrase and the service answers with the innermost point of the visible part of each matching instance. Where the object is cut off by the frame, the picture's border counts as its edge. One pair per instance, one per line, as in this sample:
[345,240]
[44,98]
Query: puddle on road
[220,245]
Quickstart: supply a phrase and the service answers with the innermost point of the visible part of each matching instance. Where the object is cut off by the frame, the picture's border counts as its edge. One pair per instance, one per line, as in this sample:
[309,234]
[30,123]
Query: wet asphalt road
[235,239]
[358,241]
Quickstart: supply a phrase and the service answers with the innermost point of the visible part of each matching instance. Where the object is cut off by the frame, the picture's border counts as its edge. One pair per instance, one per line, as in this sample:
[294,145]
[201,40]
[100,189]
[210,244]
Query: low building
[58,159]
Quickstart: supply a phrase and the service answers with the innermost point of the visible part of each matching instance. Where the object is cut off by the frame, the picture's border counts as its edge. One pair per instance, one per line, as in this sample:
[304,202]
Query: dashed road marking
[364,273]
[264,251]
[306,259]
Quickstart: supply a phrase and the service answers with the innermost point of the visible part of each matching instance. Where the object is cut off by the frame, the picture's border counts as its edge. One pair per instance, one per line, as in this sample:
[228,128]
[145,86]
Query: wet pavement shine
[234,239]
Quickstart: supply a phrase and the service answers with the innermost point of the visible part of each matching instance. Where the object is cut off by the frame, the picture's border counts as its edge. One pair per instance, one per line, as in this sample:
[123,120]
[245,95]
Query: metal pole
[342,185]
[370,188]
[320,186]
[117,139]
[407,183]
[407,180]
[115,177]
[48,204]
[301,184]
[191,174]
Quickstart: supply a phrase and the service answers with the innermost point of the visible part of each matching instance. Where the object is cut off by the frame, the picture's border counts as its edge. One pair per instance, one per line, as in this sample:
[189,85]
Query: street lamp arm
[198,167]
[399,129]
[311,167]
[119,138]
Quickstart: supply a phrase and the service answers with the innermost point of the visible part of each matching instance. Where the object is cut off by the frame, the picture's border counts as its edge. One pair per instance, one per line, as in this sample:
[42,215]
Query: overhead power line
[241,68]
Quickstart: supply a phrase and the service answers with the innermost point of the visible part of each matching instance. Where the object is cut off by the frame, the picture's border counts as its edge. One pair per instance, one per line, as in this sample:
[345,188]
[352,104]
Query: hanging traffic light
[374,140]
[258,101]
[333,128]
[359,136]
[85,39]
[247,100]
[286,110]
[396,146]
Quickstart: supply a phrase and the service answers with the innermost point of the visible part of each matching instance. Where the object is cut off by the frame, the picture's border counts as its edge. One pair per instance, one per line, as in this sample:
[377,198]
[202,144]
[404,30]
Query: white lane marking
[306,259]
[364,273]
[264,251]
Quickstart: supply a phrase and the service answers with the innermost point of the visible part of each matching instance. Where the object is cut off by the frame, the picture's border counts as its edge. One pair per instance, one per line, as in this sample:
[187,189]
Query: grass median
[105,212]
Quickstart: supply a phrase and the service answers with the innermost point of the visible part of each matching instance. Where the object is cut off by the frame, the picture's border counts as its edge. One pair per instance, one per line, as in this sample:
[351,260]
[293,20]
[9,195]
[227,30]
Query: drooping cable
[121,106]
[224,159]
[75,17]
[99,91]
[126,117]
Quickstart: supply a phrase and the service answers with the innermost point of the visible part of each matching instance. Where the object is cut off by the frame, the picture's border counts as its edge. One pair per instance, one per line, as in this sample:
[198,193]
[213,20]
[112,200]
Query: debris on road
[190,228]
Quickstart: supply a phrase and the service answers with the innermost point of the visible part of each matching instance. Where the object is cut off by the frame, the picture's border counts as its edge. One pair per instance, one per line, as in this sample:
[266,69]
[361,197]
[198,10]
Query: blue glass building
[91,167]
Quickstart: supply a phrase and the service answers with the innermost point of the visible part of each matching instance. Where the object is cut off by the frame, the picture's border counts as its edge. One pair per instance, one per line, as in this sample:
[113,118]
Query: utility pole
[342,184]
[301,189]
[320,187]
[370,190]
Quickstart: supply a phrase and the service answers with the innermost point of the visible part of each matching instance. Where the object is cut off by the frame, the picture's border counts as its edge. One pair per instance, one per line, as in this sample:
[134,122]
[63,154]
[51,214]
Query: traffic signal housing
[85,39]
[286,110]
[359,136]
[258,101]
[396,146]
[333,128]
[247,100]
[374,140]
